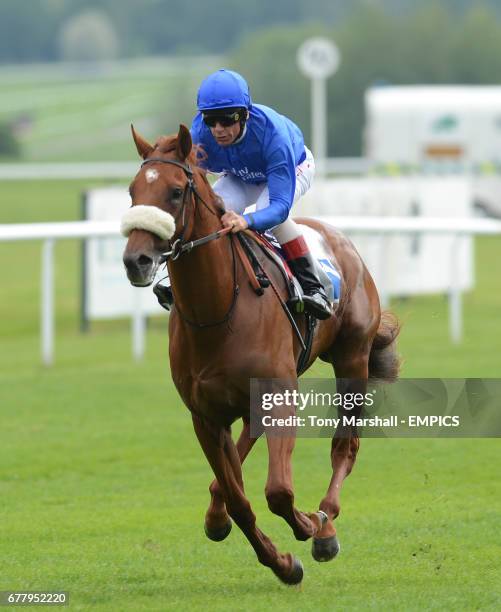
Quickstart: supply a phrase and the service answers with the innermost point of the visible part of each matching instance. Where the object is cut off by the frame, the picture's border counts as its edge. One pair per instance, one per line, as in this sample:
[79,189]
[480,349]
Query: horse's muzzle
[141,268]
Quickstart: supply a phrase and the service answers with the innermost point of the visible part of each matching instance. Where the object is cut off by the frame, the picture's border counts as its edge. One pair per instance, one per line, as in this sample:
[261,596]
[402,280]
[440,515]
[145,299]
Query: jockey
[263,161]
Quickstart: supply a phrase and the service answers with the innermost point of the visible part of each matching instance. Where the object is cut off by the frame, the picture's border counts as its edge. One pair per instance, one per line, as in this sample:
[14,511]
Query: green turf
[66,113]
[103,487]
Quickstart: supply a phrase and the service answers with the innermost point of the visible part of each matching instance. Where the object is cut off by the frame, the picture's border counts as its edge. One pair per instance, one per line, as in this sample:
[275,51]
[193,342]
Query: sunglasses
[225,119]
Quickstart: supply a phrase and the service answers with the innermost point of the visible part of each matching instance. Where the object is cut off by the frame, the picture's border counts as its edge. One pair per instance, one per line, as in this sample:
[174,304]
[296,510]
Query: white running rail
[51,232]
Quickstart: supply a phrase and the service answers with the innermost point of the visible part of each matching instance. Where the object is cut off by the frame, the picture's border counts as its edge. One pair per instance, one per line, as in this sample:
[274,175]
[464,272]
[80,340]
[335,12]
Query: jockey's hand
[236,222]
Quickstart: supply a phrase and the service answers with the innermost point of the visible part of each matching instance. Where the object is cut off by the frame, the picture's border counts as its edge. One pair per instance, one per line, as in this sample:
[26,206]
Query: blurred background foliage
[158,27]
[381,41]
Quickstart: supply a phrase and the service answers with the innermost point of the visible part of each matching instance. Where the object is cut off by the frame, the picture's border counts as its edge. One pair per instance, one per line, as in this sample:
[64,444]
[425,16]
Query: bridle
[179,247]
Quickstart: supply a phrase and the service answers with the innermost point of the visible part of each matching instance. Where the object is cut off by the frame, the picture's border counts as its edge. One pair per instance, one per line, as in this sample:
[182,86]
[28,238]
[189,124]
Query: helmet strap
[243,126]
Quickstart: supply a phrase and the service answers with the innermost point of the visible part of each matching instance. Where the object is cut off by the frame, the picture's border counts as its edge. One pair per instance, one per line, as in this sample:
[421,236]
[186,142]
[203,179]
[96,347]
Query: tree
[268,60]
[477,47]
[9,145]
[90,37]
[26,31]
[427,45]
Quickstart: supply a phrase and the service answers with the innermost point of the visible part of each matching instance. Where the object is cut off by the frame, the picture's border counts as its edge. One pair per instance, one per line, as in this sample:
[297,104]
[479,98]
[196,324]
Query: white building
[438,129]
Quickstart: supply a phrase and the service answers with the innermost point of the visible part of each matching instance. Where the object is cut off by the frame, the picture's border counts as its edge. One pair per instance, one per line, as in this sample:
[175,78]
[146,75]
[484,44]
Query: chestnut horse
[222,335]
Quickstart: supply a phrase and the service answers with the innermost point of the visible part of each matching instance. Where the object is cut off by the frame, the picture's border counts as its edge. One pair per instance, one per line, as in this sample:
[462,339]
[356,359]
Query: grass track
[103,486]
[83,113]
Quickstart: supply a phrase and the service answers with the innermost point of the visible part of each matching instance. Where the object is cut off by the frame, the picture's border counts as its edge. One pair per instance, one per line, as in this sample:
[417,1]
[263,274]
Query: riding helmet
[223,89]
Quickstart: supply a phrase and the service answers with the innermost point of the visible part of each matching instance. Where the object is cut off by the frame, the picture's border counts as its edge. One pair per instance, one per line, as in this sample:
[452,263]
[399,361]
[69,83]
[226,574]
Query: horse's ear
[184,143]
[143,147]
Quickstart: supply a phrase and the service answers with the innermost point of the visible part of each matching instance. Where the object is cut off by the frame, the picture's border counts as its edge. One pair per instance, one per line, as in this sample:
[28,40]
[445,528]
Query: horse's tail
[384,361]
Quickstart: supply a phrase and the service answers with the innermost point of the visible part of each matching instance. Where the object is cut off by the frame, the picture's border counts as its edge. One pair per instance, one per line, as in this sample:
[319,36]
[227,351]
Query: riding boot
[164,295]
[314,298]
[303,267]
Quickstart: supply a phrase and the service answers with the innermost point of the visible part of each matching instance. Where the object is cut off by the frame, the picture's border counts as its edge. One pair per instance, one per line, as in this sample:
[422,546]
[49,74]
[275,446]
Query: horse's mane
[168,144]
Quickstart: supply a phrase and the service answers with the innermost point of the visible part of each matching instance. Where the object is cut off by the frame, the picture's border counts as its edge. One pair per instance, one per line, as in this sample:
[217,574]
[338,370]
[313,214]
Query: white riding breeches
[238,195]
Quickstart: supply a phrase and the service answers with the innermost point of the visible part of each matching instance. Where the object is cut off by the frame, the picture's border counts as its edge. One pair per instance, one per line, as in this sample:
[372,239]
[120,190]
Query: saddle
[259,281]
[327,273]
[268,246]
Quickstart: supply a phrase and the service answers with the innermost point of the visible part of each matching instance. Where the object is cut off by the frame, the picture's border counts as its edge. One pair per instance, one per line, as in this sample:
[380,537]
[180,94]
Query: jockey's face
[225,136]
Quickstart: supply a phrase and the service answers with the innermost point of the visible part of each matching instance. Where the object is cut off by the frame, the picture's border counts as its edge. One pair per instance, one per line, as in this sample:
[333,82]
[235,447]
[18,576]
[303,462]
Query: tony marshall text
[352,420]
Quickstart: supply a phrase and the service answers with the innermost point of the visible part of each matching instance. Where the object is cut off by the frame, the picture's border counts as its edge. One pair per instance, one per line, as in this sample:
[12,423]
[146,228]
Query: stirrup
[318,308]
[164,296]
[318,305]
[296,304]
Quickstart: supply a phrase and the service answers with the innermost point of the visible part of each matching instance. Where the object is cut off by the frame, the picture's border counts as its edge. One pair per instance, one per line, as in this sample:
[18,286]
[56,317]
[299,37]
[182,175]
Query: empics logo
[433,420]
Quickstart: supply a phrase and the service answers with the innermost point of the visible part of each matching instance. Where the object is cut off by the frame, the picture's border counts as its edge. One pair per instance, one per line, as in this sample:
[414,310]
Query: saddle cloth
[328,274]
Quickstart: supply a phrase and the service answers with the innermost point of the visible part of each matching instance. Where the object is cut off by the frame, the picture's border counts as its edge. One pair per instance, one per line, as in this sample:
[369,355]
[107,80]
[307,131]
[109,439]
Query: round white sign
[318,58]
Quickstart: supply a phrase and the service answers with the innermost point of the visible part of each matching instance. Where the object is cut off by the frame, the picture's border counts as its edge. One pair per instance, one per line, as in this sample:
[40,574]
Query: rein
[179,247]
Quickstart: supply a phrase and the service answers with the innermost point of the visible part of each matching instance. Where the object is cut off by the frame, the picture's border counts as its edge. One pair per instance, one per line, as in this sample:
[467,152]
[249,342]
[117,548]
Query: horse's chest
[212,395]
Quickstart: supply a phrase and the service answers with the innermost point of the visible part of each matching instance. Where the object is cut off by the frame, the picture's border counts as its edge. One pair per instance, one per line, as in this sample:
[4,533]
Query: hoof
[218,534]
[296,576]
[325,549]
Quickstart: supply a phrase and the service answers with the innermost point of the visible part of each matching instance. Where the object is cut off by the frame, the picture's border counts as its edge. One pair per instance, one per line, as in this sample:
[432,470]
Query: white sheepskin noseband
[149,218]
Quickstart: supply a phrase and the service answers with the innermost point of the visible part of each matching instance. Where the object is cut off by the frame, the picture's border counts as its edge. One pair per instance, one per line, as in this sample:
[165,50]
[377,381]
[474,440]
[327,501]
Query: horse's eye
[177,193]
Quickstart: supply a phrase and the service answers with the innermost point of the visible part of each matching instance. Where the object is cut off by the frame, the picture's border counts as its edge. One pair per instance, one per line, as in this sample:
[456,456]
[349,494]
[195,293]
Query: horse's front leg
[279,488]
[223,457]
[217,521]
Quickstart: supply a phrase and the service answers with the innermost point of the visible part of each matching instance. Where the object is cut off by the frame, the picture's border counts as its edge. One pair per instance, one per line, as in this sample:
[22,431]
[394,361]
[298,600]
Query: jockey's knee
[287,231]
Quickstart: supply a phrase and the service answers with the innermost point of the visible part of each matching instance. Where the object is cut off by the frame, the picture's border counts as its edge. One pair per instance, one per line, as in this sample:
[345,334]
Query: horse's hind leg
[217,521]
[351,377]
[223,457]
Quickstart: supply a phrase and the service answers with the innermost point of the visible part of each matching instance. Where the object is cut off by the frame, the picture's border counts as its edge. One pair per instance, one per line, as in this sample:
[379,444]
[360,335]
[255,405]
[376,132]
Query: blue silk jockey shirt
[269,152]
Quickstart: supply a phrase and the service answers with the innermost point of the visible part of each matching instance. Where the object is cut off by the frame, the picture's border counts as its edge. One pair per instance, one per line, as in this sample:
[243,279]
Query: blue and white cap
[223,89]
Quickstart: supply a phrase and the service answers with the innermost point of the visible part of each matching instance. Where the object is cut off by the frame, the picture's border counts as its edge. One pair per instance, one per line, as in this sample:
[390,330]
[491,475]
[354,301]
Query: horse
[222,334]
